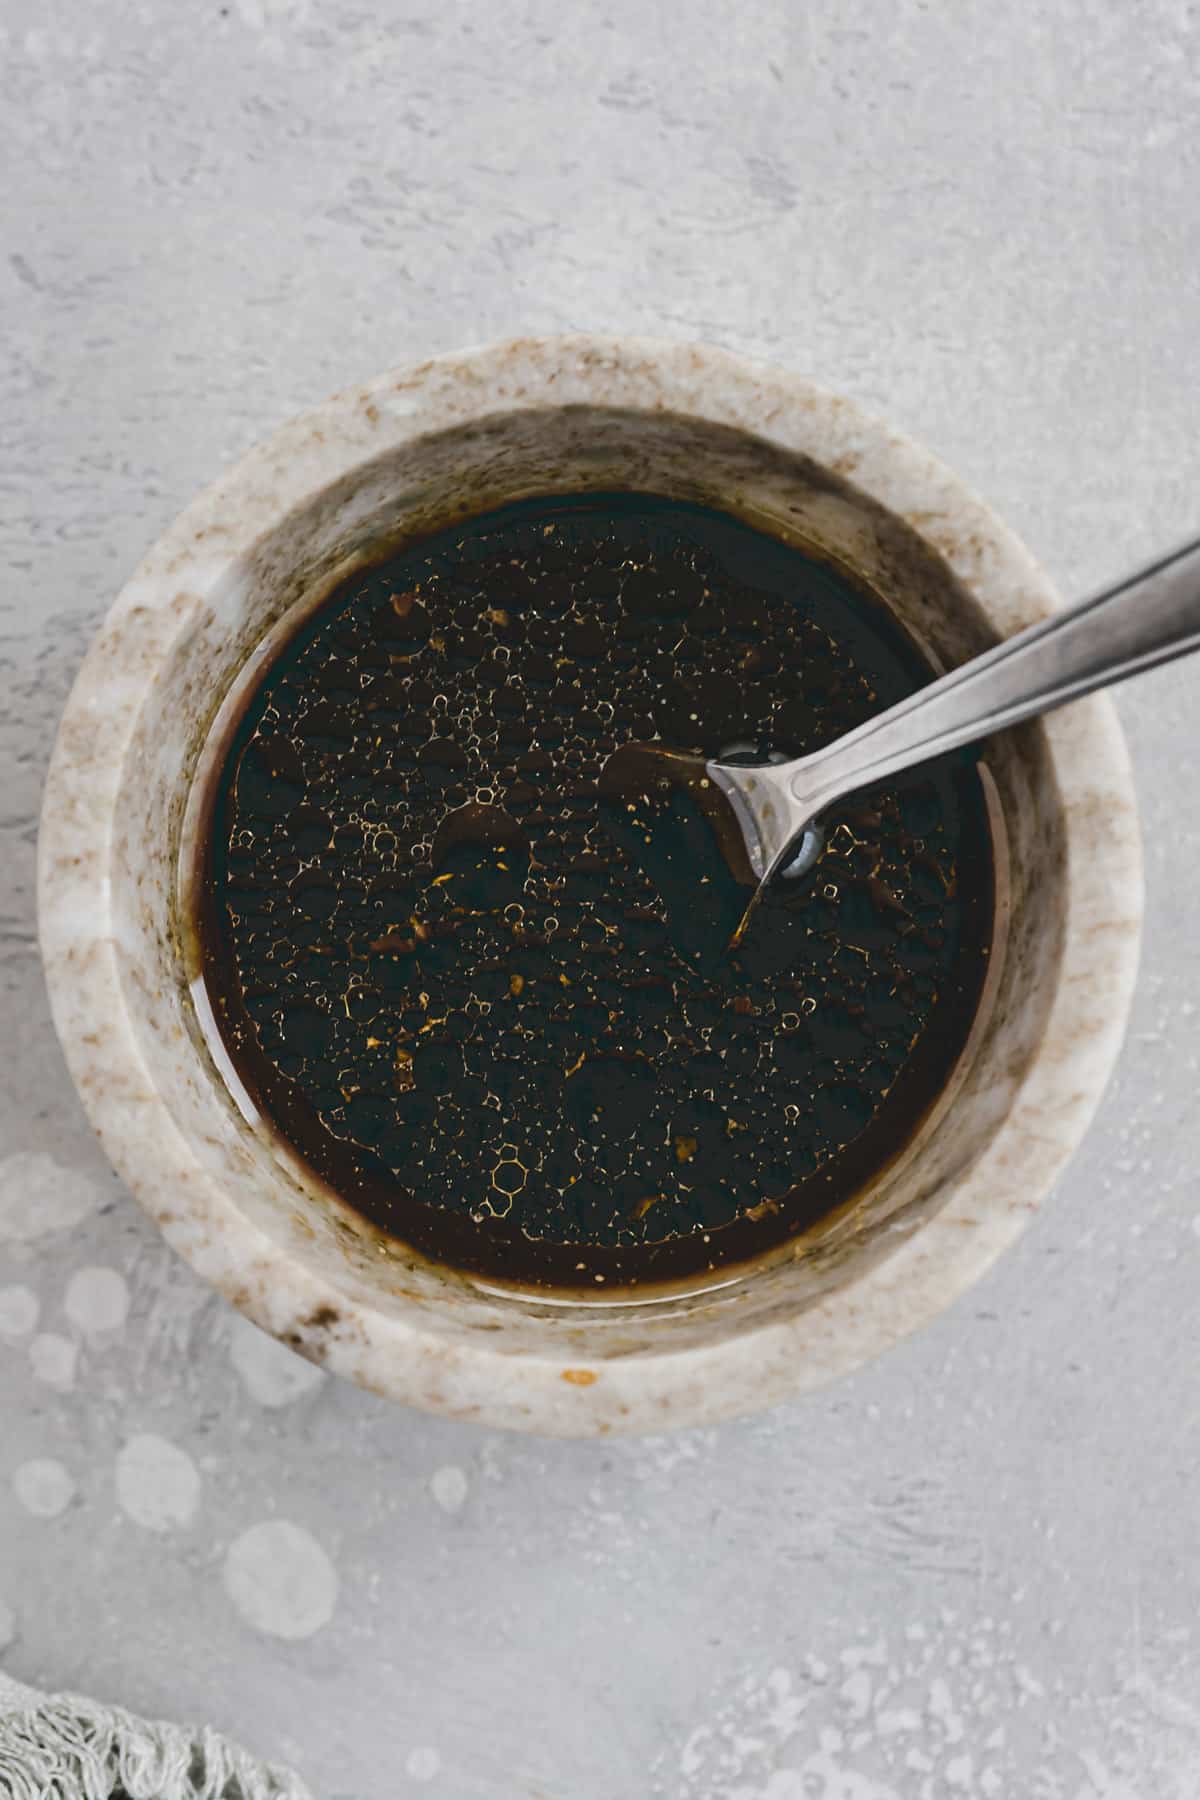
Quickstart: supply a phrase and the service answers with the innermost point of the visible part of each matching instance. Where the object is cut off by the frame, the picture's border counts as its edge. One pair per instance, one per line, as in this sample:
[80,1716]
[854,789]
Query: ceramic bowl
[410,452]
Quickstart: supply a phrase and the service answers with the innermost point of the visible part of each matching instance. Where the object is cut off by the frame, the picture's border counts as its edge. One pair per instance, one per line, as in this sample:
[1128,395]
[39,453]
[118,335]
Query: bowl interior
[212,642]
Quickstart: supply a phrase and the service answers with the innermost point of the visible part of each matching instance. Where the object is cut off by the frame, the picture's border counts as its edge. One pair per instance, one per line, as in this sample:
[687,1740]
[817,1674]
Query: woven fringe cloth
[61,1747]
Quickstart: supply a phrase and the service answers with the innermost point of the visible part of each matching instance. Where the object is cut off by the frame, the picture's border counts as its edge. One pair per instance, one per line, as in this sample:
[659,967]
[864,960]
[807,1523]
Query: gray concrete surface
[970,1572]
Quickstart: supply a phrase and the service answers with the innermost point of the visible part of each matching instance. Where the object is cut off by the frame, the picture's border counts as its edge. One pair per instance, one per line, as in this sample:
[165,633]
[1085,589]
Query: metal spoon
[1150,618]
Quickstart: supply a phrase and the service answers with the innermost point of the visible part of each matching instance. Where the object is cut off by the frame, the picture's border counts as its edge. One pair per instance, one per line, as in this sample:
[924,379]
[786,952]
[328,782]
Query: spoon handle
[1150,618]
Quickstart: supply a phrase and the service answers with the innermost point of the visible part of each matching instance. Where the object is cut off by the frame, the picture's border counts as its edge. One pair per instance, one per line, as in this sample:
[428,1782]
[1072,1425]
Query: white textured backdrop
[972,1572]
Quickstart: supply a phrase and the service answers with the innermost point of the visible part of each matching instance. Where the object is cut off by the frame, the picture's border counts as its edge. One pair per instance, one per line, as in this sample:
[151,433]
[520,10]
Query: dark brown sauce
[496,1010]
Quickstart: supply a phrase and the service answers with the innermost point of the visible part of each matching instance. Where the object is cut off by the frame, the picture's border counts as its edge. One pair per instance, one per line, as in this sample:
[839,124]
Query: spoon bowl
[414,448]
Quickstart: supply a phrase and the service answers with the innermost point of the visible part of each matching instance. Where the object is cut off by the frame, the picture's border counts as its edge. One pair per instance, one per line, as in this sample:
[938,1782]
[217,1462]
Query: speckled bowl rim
[984,1208]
